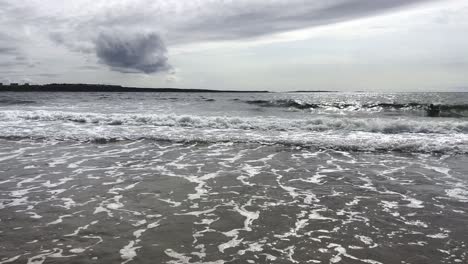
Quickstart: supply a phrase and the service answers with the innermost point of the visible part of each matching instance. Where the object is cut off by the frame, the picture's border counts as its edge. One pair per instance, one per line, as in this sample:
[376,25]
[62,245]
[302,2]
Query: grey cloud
[20,58]
[7,45]
[237,21]
[48,75]
[11,57]
[7,50]
[195,21]
[130,53]
[7,64]
[82,46]
[15,63]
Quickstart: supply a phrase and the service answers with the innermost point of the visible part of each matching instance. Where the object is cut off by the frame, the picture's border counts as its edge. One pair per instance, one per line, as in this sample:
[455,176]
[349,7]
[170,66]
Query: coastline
[107,88]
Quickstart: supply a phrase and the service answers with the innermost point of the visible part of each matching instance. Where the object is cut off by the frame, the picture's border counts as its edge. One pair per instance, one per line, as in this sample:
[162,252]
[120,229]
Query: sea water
[233,178]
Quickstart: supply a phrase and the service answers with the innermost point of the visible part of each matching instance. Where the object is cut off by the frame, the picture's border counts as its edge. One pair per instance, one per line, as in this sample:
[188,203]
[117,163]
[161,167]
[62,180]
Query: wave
[374,125]
[8,101]
[442,110]
[363,142]
[283,103]
[352,134]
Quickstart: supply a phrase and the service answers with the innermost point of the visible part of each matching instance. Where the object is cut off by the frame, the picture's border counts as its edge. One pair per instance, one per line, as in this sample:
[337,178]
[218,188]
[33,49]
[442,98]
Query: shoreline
[108,88]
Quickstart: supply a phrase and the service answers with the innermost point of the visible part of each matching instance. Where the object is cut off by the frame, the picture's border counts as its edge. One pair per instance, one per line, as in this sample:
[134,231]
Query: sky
[276,45]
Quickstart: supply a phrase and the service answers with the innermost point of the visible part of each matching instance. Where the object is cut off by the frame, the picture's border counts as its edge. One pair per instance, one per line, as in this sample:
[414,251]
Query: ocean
[218,178]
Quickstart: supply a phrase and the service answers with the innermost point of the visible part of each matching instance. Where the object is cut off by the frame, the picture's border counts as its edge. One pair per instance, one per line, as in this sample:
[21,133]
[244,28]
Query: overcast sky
[277,45]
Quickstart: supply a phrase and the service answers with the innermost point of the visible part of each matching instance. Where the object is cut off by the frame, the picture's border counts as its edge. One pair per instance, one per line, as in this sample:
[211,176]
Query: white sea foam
[341,252]
[34,215]
[401,134]
[59,220]
[55,253]
[77,250]
[458,194]
[418,223]
[392,126]
[438,236]
[234,242]
[181,258]
[172,203]
[414,203]
[81,228]
[315,215]
[10,260]
[128,253]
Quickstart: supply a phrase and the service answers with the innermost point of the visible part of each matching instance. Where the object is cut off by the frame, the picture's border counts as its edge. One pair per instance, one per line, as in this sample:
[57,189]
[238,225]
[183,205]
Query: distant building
[26,84]
[14,84]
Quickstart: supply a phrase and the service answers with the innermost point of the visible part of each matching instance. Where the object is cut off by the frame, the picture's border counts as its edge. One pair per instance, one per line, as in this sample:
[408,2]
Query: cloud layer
[232,20]
[80,25]
[133,36]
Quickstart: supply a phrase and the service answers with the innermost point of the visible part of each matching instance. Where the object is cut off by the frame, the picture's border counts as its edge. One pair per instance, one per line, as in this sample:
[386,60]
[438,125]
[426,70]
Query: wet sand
[160,202]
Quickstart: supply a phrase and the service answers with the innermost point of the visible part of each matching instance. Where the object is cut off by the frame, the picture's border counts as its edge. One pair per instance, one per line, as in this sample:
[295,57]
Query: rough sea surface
[184,178]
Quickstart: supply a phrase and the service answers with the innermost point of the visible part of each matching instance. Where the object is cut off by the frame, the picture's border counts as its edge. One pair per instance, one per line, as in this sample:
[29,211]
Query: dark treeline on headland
[63,87]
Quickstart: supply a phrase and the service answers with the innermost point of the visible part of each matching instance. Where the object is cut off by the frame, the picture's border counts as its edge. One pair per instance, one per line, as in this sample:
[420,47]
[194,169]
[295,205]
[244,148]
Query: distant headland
[66,87]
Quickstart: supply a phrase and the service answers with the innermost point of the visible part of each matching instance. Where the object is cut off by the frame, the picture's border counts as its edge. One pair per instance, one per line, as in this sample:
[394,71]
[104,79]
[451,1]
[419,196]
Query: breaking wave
[421,135]
[365,142]
[374,125]
[443,110]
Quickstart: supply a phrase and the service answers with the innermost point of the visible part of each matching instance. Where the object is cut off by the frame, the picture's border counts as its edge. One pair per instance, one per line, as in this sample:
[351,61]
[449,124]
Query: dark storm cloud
[126,53]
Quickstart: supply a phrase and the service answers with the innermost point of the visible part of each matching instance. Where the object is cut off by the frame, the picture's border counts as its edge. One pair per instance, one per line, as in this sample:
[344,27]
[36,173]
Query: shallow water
[151,202]
[179,178]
